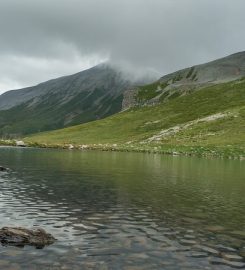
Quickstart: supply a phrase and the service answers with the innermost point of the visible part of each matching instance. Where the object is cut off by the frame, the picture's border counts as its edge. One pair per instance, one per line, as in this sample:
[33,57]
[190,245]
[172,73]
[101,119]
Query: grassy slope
[139,124]
[50,115]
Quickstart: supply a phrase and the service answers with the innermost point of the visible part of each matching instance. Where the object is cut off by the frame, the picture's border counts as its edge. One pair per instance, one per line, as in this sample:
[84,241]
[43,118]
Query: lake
[129,211]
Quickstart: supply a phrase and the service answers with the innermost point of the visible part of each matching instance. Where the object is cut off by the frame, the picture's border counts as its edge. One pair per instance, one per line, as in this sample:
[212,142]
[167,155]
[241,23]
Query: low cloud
[45,39]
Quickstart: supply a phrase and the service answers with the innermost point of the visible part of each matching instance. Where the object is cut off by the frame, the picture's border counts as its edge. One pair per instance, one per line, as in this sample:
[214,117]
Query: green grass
[225,136]
[150,91]
[7,143]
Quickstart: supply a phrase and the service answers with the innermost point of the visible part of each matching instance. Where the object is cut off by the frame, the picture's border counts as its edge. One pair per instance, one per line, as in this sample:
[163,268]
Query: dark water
[124,210]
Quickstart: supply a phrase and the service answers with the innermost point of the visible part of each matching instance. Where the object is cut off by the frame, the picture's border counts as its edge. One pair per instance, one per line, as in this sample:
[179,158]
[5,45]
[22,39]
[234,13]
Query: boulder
[17,236]
[71,146]
[84,146]
[20,143]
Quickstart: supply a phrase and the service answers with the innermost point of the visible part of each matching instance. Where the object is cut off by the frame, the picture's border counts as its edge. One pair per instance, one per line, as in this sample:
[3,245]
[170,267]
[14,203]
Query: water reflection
[124,210]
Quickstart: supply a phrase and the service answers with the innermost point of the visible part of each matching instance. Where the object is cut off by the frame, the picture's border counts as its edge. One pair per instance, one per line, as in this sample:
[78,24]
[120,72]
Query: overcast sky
[43,39]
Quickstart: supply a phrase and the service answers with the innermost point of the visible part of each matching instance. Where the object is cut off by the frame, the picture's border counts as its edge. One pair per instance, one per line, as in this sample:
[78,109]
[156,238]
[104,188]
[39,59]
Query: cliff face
[129,98]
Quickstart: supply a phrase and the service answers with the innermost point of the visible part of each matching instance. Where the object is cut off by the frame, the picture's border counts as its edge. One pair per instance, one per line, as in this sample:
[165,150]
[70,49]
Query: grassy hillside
[79,98]
[25,119]
[211,120]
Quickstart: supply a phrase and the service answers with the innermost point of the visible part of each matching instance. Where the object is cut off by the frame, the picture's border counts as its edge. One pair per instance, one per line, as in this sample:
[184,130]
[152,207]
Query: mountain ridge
[84,96]
[187,80]
[45,86]
[102,91]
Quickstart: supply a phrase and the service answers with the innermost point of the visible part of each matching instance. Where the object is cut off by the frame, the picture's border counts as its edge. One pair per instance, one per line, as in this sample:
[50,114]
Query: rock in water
[17,236]
[3,169]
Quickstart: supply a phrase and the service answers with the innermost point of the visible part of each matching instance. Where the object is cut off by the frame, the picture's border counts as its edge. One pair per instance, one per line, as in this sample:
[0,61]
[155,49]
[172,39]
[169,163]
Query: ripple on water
[101,225]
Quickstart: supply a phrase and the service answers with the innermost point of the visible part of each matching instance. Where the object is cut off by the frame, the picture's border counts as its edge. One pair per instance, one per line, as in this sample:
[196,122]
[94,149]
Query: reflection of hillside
[97,199]
[96,181]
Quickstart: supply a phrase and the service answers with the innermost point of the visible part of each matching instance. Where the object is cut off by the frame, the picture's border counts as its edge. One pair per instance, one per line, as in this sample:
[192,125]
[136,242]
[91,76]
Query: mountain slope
[187,81]
[79,98]
[213,117]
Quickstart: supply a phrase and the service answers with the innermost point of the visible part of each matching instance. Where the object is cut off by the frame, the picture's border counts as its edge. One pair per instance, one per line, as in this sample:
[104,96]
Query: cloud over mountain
[44,39]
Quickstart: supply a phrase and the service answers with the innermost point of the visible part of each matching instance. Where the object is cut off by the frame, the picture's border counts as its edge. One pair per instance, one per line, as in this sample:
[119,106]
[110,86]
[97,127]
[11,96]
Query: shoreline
[174,150]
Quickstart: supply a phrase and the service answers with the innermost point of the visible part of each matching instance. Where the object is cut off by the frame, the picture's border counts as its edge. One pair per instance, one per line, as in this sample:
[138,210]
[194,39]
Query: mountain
[187,81]
[210,121]
[202,112]
[88,95]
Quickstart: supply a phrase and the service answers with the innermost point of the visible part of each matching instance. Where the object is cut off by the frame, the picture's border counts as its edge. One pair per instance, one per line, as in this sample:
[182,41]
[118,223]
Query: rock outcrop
[129,98]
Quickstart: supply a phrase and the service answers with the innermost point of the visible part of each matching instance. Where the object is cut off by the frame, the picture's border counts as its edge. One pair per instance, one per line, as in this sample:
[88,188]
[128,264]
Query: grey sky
[43,39]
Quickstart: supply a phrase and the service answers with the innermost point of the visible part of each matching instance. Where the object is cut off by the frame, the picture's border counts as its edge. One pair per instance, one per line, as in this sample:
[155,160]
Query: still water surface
[124,210]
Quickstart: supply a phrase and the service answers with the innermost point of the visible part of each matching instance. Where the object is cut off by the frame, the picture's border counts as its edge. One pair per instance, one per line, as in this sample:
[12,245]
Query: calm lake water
[124,210]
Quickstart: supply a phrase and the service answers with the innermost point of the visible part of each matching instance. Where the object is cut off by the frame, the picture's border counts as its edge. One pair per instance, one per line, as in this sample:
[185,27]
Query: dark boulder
[3,169]
[17,236]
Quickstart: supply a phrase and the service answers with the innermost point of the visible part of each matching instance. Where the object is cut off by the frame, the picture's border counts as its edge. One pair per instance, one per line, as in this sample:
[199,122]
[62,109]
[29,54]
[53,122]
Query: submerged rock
[17,236]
